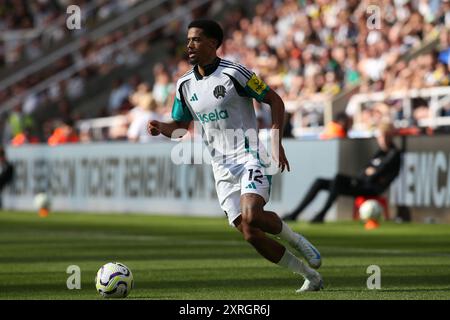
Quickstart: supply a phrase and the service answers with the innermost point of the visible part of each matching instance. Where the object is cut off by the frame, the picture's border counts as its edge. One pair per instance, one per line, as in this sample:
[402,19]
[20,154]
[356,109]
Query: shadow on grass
[229,288]
[416,290]
[118,255]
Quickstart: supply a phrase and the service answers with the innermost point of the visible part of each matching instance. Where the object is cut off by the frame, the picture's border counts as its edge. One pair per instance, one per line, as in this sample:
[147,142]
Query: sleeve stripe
[187,73]
[180,91]
[239,89]
[237,65]
[247,77]
[240,67]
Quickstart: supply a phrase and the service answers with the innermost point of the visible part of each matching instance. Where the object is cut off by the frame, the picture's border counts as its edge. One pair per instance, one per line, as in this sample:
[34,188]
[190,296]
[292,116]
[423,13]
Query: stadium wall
[142,178]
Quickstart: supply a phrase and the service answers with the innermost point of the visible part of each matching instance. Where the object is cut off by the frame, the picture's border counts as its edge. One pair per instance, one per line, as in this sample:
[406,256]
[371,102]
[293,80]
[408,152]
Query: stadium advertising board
[109,178]
[424,181]
[143,178]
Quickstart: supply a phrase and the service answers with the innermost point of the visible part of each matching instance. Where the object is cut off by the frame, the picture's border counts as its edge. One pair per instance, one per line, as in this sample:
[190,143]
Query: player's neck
[202,67]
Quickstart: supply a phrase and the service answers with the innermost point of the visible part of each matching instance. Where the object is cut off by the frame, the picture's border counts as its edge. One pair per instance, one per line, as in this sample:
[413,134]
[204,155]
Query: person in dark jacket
[373,180]
[6,171]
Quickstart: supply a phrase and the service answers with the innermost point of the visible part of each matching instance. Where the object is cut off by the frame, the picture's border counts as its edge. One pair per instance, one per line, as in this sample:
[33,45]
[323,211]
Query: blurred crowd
[31,27]
[311,51]
[96,55]
[308,51]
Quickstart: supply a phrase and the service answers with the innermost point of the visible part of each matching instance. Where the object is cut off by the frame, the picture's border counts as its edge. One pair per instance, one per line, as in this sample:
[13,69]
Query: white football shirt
[221,101]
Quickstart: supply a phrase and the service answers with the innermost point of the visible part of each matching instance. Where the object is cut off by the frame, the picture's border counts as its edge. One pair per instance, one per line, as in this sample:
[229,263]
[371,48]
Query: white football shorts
[242,179]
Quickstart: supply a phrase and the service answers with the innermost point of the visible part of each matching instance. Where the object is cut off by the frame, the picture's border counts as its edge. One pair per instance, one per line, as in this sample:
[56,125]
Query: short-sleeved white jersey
[221,101]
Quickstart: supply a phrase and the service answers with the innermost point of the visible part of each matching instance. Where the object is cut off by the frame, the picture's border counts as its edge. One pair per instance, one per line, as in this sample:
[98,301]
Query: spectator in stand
[142,94]
[444,44]
[331,87]
[86,134]
[17,120]
[75,86]
[25,137]
[119,94]
[338,128]
[162,86]
[137,132]
[352,76]
[64,133]
[119,126]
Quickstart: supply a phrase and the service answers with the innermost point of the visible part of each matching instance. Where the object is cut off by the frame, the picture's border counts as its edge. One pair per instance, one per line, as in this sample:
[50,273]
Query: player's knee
[251,213]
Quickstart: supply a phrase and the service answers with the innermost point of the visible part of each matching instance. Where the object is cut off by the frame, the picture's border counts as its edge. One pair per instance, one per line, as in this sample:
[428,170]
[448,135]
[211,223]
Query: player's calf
[251,235]
[268,248]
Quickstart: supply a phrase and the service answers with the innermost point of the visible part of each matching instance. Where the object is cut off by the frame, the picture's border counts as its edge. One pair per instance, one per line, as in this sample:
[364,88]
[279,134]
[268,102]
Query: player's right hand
[153,127]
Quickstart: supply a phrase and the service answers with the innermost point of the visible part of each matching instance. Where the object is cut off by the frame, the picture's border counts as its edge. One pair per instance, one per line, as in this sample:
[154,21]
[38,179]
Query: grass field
[203,258]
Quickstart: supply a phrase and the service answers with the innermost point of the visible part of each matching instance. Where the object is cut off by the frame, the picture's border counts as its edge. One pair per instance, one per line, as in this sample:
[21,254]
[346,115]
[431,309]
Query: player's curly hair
[210,28]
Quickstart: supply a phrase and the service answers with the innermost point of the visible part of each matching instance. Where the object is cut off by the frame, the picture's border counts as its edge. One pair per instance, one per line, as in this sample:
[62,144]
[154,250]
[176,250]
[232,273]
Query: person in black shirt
[373,180]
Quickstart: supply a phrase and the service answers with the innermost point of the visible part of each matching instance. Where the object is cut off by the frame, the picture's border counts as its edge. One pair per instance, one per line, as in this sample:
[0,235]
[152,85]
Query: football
[114,280]
[370,209]
[42,201]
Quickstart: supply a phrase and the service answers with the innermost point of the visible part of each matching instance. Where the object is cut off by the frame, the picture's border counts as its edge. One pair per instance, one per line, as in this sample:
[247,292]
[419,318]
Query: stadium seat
[360,200]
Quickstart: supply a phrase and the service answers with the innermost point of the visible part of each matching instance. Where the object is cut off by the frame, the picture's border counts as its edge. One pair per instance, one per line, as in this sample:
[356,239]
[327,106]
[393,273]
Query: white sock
[287,234]
[288,260]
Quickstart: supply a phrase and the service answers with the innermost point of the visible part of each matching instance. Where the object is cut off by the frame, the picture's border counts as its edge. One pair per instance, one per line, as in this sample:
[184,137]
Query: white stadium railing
[97,125]
[439,97]
[317,106]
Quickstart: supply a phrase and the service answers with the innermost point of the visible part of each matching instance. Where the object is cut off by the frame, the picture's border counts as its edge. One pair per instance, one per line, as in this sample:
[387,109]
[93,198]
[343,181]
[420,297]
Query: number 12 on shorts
[257,177]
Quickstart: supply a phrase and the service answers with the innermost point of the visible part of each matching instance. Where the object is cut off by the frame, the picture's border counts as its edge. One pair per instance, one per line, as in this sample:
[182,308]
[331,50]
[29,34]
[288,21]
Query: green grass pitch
[204,258]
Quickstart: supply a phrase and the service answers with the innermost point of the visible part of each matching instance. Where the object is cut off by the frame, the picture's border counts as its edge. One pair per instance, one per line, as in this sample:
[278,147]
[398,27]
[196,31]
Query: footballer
[218,94]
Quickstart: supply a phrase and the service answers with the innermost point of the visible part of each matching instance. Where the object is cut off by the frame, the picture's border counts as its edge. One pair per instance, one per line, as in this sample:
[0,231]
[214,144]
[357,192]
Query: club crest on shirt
[219,92]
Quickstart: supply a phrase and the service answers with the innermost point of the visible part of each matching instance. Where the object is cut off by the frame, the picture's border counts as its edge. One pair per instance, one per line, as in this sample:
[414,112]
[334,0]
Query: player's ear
[212,43]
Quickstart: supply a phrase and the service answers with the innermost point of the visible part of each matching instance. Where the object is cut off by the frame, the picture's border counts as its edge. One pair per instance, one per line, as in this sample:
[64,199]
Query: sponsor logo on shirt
[215,115]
